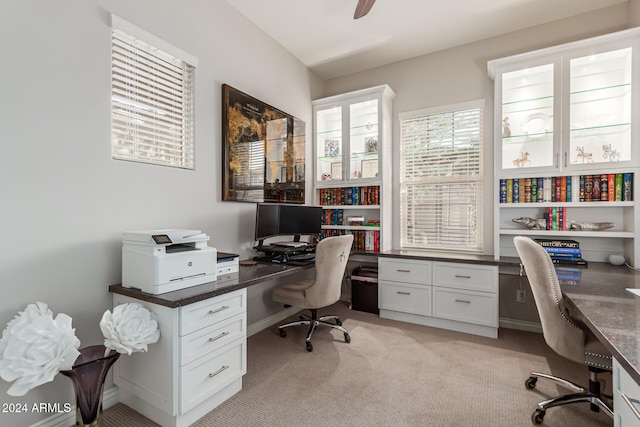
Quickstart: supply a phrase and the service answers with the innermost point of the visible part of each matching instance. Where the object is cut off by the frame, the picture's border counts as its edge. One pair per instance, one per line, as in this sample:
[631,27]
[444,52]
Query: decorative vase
[88,374]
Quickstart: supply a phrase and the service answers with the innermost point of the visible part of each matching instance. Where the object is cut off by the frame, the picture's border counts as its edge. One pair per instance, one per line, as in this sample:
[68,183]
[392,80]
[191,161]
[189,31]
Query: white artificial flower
[34,347]
[130,328]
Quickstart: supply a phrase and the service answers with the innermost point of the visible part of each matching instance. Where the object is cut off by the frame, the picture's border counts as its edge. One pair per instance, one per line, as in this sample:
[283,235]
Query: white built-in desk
[200,359]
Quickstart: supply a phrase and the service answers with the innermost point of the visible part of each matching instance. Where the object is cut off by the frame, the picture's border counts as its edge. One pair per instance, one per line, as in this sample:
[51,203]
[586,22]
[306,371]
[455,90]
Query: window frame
[462,183]
[152,98]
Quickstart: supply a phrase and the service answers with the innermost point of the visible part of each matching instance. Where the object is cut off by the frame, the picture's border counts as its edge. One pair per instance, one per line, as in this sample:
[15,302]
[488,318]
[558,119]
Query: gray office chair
[332,254]
[567,336]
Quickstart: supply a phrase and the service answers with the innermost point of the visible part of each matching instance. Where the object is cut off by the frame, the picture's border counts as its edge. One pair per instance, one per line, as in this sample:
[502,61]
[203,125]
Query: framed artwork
[263,151]
[336,170]
[371,144]
[369,168]
[331,147]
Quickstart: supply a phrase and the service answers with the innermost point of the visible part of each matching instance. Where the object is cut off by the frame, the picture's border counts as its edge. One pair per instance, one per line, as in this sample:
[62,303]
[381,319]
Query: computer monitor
[286,220]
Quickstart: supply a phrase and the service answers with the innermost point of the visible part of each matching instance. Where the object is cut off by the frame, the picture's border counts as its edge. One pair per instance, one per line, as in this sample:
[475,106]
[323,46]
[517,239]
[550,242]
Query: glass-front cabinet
[527,120]
[567,146]
[347,134]
[352,152]
[567,108]
[599,125]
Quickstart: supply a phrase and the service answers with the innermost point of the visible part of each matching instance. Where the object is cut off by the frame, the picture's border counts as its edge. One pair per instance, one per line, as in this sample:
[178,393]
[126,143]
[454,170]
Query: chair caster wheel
[538,416]
[309,347]
[338,322]
[282,332]
[347,338]
[530,383]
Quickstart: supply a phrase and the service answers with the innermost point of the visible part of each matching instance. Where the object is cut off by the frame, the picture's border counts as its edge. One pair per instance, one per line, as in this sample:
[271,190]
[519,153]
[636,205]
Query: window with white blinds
[152,98]
[441,178]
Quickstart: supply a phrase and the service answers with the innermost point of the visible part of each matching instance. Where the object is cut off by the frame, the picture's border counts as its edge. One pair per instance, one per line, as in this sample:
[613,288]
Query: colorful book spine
[604,188]
[627,187]
[618,188]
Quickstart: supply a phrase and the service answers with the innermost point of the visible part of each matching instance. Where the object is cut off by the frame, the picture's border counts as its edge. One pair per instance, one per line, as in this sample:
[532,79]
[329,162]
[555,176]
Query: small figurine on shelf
[584,155]
[506,129]
[590,226]
[531,223]
[522,161]
[608,153]
[326,177]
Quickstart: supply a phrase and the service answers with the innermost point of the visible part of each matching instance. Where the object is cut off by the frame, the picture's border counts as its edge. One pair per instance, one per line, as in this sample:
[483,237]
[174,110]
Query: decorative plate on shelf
[536,125]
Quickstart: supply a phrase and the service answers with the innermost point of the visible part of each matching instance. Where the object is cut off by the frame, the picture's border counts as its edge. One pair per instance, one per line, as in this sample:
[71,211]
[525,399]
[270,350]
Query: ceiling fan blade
[363,7]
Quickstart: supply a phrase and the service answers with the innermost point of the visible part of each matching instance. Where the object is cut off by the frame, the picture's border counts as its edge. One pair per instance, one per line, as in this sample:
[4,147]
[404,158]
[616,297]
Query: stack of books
[563,251]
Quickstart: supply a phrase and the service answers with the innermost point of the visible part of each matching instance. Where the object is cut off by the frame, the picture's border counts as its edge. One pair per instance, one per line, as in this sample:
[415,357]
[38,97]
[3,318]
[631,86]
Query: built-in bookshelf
[352,151]
[564,152]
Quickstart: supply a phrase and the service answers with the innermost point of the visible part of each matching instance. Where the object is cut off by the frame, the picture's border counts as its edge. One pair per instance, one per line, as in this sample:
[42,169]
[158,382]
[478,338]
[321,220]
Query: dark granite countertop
[247,275]
[443,256]
[609,310]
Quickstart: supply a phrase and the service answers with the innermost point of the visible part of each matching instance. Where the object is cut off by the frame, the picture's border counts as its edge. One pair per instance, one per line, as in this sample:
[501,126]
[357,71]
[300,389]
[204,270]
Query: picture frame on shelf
[371,144]
[331,147]
[336,170]
[369,168]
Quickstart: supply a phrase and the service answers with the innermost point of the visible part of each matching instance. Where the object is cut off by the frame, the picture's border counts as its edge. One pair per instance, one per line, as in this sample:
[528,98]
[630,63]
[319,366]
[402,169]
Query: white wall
[65,202]
[460,74]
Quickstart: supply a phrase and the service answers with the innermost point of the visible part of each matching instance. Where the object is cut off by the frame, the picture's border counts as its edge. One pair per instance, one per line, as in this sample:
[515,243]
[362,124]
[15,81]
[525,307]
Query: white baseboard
[269,321]
[521,325]
[109,398]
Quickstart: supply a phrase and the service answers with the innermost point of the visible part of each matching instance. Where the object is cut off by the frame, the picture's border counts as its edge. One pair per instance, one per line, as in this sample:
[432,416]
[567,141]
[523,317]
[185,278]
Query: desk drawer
[466,306]
[211,338]
[466,276]
[415,299]
[204,313]
[626,397]
[404,271]
[204,377]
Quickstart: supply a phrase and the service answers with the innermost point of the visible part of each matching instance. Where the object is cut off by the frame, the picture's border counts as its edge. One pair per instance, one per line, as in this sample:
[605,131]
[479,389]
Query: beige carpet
[392,374]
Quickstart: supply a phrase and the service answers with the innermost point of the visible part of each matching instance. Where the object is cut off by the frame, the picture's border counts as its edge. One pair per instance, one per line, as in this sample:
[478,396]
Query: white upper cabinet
[351,135]
[568,108]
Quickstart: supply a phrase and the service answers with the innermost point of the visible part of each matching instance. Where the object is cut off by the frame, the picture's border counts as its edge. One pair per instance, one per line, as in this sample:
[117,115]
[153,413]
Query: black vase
[88,374]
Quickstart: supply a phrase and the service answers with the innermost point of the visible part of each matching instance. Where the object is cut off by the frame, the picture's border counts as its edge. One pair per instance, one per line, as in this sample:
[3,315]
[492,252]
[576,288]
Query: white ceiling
[326,38]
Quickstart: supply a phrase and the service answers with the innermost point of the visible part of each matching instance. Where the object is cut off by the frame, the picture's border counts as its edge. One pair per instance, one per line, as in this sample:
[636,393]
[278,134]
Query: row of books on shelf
[337,217]
[363,240]
[366,195]
[565,252]
[556,219]
[611,187]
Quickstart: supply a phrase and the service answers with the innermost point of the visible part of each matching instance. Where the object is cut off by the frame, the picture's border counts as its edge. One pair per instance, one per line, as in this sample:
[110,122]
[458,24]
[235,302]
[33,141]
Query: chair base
[581,394]
[313,322]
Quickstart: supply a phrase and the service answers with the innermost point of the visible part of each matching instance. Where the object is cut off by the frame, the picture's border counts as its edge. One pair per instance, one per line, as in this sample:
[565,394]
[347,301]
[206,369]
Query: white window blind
[152,99]
[441,179]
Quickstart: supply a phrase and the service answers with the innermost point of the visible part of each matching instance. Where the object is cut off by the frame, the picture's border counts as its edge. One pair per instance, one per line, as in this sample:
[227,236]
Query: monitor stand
[290,244]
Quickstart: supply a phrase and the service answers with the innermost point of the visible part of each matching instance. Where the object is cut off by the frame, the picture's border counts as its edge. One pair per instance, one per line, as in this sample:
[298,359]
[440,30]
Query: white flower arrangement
[35,346]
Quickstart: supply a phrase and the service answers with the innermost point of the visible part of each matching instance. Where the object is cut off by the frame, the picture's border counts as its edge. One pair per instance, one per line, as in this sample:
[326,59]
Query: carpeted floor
[392,374]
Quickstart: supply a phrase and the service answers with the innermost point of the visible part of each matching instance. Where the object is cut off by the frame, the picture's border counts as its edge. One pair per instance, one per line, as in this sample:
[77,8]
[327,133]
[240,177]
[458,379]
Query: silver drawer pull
[403,271]
[462,300]
[213,374]
[459,276]
[218,310]
[224,334]
[630,402]
[404,293]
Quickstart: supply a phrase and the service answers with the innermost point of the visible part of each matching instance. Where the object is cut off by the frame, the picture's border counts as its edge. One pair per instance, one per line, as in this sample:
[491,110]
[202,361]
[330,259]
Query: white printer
[159,261]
